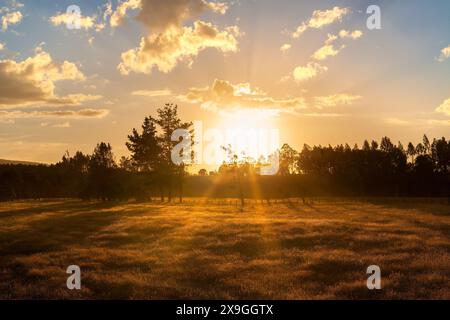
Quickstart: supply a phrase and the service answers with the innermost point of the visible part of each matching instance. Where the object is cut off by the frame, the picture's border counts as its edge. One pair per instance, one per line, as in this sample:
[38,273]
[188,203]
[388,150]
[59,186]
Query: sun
[251,133]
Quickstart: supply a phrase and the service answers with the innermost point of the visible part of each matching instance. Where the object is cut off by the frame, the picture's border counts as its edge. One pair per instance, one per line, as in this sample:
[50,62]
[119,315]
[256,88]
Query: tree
[202,172]
[386,145]
[426,144]
[169,121]
[288,157]
[103,182]
[144,147]
[411,151]
[420,149]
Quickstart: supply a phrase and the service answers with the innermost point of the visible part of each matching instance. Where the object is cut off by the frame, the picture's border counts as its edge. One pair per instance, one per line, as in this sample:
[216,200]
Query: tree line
[375,169]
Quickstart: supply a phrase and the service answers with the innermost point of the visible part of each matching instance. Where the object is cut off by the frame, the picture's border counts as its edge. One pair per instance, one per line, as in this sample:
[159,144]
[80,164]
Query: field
[199,249]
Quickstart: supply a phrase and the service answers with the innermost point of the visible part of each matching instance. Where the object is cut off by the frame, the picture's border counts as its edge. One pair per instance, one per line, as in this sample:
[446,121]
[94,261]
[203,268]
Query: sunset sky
[311,69]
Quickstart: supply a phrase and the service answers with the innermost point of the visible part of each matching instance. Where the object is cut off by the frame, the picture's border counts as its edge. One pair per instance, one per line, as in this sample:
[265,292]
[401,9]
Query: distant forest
[375,169]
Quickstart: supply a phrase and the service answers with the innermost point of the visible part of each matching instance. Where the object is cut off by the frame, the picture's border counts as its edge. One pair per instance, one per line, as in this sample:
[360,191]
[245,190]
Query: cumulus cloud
[32,81]
[335,100]
[169,41]
[444,107]
[152,93]
[311,70]
[223,95]
[160,15]
[11,18]
[445,54]
[55,114]
[166,49]
[319,19]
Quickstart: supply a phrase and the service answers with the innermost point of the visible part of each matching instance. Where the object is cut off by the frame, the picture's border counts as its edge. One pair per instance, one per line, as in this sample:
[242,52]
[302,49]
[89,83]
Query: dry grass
[213,250]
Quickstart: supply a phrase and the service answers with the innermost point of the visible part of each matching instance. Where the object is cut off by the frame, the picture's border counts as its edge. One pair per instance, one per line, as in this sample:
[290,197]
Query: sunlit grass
[201,249]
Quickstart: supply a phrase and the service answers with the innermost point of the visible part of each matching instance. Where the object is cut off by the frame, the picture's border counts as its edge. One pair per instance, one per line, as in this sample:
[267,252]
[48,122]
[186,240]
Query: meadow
[204,249]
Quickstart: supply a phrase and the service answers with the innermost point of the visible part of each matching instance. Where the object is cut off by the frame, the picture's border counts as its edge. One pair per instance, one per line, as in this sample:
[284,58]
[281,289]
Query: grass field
[213,250]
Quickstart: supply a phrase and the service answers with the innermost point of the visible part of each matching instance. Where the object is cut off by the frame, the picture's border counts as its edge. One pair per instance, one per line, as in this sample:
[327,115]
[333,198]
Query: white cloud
[319,19]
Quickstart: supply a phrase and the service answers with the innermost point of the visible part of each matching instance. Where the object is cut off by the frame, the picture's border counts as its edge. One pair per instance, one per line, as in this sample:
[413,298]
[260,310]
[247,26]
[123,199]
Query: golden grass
[199,250]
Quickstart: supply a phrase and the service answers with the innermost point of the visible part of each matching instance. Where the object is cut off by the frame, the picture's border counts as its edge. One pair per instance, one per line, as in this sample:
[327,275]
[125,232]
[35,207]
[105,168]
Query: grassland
[212,250]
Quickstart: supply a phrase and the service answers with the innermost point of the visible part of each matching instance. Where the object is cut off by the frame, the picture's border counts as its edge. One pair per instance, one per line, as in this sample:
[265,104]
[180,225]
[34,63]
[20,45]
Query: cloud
[62,125]
[160,15]
[445,54]
[319,19]
[85,22]
[55,114]
[335,100]
[329,50]
[169,41]
[326,51]
[166,49]
[311,70]
[2,46]
[285,48]
[223,95]
[32,81]
[120,13]
[152,93]
[397,122]
[351,35]
[11,18]
[439,122]
[444,107]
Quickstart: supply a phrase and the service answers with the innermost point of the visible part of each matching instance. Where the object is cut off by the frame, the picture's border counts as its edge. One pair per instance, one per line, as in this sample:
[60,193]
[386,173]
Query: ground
[199,249]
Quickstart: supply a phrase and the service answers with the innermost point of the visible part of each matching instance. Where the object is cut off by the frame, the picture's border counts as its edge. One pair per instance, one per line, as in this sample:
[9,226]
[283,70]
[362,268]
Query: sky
[313,70]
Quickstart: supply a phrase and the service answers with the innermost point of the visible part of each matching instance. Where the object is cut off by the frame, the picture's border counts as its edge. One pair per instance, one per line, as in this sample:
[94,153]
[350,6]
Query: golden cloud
[444,107]
[311,70]
[285,48]
[352,35]
[326,51]
[319,19]
[166,49]
[85,22]
[32,81]
[445,54]
[225,95]
[10,18]
[335,100]
[66,114]
[120,13]
[152,93]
